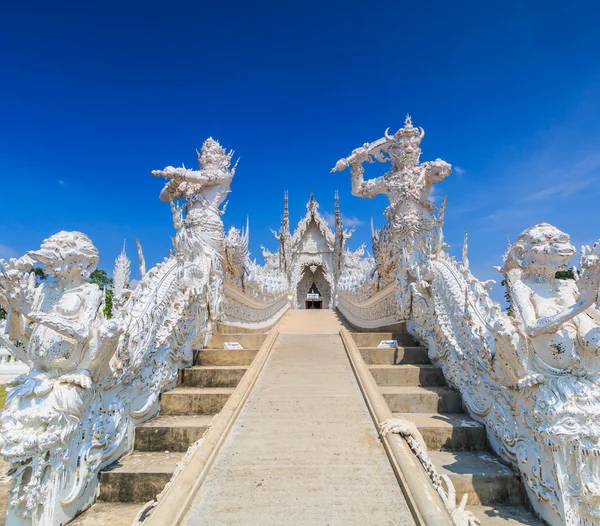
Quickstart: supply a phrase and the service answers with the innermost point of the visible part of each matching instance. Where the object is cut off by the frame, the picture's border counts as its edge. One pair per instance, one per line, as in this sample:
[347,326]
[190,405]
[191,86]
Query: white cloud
[561,181]
[458,170]
[349,221]
[559,190]
[329,217]
[7,252]
[352,221]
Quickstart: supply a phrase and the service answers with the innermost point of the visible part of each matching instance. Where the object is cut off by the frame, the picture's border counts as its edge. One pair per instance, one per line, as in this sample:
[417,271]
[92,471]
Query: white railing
[9,365]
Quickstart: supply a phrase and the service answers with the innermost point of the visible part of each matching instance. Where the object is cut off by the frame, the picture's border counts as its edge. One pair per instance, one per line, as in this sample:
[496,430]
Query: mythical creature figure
[59,329]
[561,321]
[236,253]
[198,225]
[204,191]
[407,185]
[559,316]
[272,259]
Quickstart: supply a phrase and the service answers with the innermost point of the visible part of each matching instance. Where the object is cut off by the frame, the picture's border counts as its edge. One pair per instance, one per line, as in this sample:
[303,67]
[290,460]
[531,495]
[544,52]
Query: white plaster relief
[92,379]
[532,378]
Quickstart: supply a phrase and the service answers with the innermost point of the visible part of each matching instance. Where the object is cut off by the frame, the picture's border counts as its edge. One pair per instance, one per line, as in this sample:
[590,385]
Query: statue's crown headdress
[409,135]
[213,155]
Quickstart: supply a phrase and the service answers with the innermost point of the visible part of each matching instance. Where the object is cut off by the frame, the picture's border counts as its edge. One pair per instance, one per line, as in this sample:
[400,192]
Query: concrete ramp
[310,322]
[304,449]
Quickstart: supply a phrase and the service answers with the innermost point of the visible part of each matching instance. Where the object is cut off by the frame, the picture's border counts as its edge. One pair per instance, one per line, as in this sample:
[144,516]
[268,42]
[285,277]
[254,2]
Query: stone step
[171,433]
[408,374]
[113,513]
[505,515]
[483,477]
[194,400]
[221,328]
[137,477]
[224,357]
[448,431]
[413,399]
[401,355]
[247,341]
[373,339]
[212,375]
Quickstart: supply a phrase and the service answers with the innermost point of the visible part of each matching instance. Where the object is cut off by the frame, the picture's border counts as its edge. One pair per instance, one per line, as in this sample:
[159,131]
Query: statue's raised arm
[214,171]
[198,223]
[364,154]
[407,184]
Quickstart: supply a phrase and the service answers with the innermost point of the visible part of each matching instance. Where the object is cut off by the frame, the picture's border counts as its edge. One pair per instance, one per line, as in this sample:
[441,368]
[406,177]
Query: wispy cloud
[349,221]
[559,190]
[7,252]
[61,182]
[558,183]
[329,217]
[458,170]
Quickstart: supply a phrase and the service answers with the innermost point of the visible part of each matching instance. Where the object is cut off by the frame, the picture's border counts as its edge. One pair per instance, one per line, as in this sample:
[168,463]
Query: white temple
[139,406]
[310,256]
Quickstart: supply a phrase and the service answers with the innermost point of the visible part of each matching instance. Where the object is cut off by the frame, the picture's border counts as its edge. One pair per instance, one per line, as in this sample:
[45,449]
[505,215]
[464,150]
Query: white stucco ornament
[408,183]
[442,483]
[93,379]
[532,378]
[410,213]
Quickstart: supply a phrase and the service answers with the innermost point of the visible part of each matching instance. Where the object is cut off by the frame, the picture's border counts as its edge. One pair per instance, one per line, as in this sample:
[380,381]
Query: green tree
[39,274]
[100,278]
[565,274]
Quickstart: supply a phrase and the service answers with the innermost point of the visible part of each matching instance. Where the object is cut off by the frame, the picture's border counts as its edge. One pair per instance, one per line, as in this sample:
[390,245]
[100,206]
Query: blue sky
[94,97]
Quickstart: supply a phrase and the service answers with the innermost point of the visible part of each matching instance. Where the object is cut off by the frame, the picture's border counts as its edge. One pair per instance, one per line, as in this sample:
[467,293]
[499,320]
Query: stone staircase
[185,414]
[416,390]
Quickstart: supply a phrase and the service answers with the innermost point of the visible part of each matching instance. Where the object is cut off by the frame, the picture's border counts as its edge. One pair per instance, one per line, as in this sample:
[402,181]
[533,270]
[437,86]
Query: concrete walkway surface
[304,450]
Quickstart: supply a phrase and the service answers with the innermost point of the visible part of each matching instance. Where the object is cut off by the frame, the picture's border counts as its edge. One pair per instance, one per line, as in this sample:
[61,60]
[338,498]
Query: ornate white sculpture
[74,412]
[534,378]
[443,485]
[58,327]
[121,278]
[205,191]
[92,380]
[407,186]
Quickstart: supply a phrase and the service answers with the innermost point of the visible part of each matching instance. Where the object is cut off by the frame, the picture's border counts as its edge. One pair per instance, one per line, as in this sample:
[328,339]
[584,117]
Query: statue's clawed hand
[78,378]
[588,279]
[17,285]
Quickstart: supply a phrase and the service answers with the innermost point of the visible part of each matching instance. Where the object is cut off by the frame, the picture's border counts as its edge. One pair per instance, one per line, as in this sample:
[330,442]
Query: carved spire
[121,277]
[312,204]
[141,258]
[340,238]
[286,213]
[284,236]
[338,214]
[465,250]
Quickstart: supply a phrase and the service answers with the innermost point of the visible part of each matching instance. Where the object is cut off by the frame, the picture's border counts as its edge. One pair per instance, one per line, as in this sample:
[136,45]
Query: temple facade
[311,257]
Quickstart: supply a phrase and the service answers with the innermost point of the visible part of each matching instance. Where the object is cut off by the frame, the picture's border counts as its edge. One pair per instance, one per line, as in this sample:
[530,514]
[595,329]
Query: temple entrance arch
[313,290]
